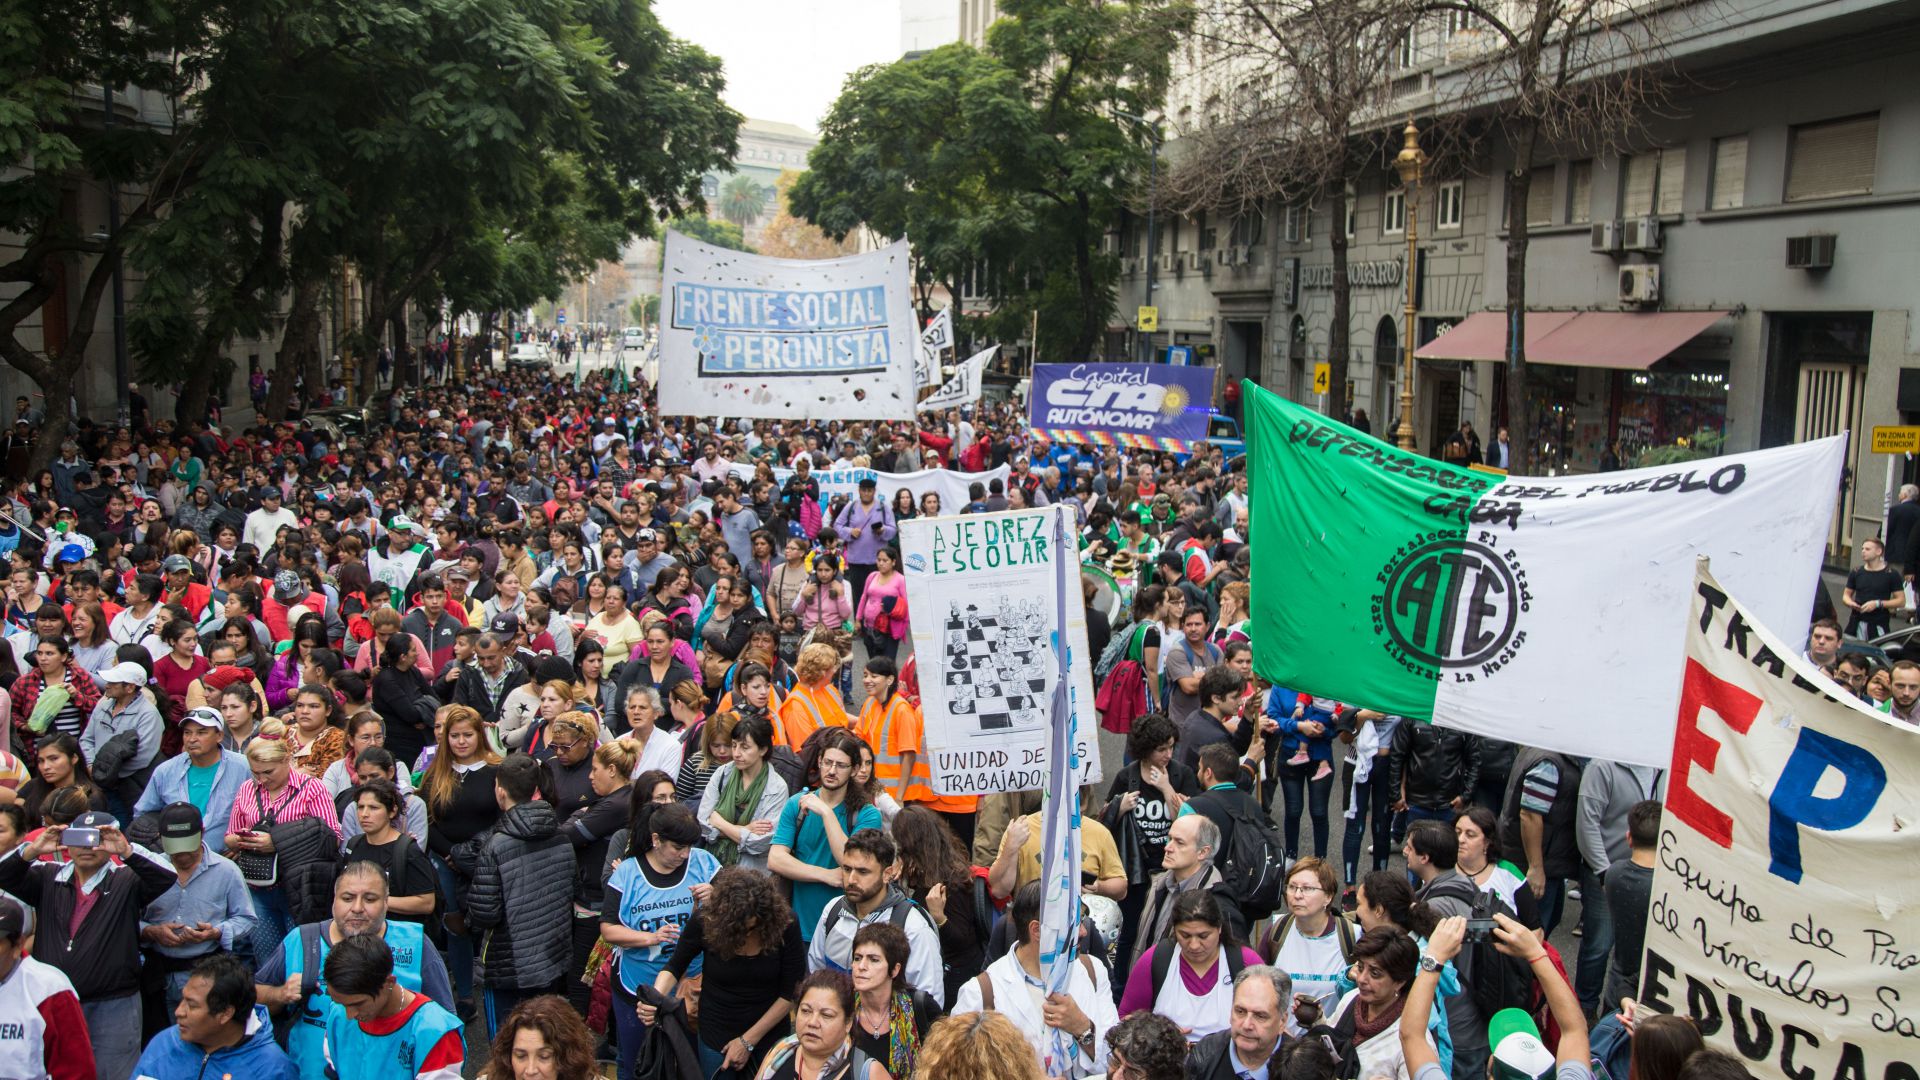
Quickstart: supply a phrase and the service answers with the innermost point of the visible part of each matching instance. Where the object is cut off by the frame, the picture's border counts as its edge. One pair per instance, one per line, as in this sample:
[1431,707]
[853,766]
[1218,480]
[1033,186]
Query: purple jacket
[876,529]
[283,678]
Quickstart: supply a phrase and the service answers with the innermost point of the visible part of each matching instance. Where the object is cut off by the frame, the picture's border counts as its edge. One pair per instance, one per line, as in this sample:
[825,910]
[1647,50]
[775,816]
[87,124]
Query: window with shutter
[1673,179]
[1729,173]
[1540,198]
[1446,205]
[1580,192]
[1832,159]
[1393,213]
[1637,184]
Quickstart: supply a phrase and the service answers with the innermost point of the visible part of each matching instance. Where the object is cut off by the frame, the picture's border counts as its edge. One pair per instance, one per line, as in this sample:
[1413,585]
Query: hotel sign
[1384,273]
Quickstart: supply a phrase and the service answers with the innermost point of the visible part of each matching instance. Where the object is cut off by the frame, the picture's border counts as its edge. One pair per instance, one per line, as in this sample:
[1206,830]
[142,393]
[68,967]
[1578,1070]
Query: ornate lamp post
[1409,163]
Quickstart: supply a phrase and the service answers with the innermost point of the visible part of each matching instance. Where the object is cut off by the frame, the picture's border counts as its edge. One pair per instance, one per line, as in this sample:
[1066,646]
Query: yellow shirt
[1099,855]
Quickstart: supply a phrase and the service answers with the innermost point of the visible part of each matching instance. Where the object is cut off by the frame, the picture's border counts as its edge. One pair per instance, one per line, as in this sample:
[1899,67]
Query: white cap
[126,672]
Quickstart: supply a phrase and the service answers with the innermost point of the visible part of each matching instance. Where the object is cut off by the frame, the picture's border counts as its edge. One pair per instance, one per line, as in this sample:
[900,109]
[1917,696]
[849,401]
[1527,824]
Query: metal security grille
[1832,401]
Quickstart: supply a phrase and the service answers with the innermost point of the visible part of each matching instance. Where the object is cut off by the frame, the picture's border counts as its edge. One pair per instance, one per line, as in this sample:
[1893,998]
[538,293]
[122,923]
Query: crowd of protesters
[532,711]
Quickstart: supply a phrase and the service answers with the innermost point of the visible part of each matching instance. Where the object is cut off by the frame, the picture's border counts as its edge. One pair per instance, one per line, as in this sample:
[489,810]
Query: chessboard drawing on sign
[999,664]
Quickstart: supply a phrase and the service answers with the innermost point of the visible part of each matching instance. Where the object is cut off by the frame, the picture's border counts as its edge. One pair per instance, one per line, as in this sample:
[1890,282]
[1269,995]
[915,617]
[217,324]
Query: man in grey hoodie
[1608,790]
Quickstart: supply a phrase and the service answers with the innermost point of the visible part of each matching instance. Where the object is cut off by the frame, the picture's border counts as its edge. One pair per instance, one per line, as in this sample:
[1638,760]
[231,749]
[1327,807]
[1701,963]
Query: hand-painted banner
[1153,406]
[1784,897]
[965,386]
[982,587]
[951,486]
[1542,611]
[748,335]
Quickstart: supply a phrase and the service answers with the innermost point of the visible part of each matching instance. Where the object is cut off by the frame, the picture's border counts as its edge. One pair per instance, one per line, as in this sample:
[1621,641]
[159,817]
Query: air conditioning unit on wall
[1640,284]
[1606,238]
[1640,234]
[1811,252]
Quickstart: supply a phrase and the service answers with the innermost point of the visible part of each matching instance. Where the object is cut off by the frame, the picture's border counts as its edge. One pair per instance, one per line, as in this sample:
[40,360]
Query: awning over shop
[1626,340]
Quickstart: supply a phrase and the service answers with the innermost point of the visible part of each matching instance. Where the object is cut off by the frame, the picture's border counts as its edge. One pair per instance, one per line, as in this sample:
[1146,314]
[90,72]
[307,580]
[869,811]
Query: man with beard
[872,895]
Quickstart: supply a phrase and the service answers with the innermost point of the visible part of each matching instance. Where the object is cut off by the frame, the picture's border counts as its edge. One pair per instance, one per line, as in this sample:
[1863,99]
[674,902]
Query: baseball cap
[95,819]
[13,917]
[180,828]
[269,491]
[204,716]
[176,562]
[287,586]
[402,523]
[647,535]
[505,624]
[1518,1053]
[458,572]
[127,672]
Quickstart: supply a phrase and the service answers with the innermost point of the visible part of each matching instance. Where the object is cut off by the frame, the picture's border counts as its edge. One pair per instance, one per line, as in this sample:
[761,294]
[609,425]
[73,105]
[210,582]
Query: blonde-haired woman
[571,739]
[590,829]
[276,807]
[557,698]
[815,702]
[458,791]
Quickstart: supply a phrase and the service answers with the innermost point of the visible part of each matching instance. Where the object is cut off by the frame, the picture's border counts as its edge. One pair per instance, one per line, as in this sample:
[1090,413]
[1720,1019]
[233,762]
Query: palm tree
[743,200]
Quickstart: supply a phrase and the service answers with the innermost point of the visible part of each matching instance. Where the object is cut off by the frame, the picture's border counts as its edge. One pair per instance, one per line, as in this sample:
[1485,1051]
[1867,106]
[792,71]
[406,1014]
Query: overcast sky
[785,59]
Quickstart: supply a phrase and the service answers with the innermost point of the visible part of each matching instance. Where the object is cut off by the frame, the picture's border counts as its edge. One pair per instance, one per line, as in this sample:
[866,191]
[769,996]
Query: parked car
[527,354]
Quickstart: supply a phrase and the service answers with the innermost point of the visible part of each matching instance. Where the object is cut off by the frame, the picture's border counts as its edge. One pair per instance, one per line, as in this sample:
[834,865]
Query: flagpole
[1060,812]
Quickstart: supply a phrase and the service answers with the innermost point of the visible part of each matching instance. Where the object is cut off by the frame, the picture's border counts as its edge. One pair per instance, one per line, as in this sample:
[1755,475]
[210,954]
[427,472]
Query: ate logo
[1452,604]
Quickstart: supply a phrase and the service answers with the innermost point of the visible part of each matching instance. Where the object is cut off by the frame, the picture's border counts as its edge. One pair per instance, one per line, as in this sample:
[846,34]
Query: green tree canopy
[1010,162]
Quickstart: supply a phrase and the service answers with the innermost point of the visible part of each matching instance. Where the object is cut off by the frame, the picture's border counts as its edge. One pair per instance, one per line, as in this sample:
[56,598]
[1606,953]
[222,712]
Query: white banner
[964,387]
[748,335]
[951,486]
[1784,893]
[982,588]
[934,340]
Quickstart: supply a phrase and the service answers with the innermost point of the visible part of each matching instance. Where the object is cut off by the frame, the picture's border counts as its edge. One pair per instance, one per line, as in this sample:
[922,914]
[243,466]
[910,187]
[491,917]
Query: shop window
[1580,192]
[1832,159]
[1448,201]
[1729,173]
[1393,213]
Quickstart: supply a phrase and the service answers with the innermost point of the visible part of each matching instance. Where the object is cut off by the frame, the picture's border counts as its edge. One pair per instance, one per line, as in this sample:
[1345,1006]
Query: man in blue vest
[294,978]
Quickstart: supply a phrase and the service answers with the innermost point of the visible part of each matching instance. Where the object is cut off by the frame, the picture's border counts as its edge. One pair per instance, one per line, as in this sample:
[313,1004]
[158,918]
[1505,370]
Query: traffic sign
[560,316]
[1180,354]
[1149,319]
[1896,440]
[1322,377]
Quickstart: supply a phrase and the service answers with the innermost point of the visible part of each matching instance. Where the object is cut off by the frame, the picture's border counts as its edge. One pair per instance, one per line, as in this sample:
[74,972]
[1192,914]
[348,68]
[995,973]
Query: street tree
[1296,90]
[1007,165]
[742,200]
[721,234]
[1570,75]
[788,237]
[57,157]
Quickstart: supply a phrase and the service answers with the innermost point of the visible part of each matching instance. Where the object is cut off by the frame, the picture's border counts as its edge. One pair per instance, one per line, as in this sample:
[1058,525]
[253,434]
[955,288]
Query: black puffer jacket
[1436,764]
[522,899]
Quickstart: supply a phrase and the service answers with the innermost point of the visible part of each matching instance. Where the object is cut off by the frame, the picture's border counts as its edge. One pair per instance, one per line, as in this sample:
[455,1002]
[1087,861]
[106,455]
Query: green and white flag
[1545,611]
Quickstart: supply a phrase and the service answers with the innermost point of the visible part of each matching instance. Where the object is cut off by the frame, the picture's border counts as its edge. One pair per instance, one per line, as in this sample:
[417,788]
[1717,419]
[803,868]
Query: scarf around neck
[738,800]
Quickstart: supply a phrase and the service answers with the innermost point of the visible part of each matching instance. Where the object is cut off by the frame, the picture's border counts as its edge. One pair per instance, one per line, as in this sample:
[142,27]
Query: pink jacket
[872,614]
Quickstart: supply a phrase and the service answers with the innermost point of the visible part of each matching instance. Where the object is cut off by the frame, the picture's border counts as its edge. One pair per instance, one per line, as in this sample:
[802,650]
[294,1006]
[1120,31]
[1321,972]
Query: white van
[633,338]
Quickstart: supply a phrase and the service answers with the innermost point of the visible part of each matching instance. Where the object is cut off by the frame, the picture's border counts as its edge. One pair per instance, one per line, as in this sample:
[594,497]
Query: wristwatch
[1429,964]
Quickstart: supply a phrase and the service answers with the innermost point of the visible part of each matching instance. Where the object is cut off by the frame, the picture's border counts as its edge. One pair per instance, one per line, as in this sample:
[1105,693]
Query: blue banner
[1153,406]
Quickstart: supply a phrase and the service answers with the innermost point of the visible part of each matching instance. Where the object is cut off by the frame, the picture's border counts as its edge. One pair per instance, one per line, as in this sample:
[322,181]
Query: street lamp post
[1153,183]
[1409,163]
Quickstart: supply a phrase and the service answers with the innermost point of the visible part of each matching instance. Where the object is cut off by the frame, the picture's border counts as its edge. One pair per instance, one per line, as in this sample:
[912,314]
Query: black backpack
[1495,980]
[1254,862]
